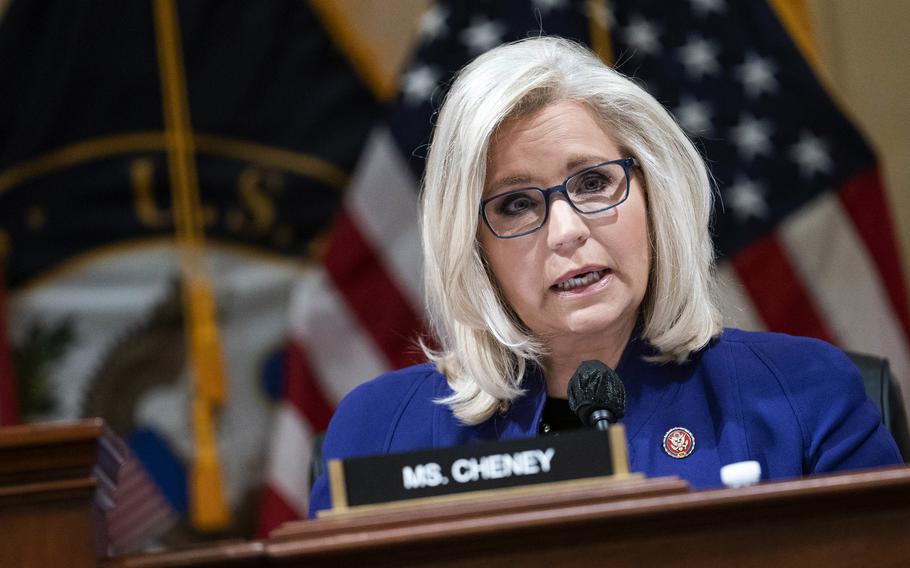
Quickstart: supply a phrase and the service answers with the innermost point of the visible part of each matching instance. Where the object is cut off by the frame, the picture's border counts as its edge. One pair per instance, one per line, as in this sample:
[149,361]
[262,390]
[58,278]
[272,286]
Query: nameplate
[576,454]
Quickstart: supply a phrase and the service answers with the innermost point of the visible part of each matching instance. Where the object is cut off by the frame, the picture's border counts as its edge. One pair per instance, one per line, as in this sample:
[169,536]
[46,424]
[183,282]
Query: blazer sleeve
[349,435]
[363,424]
[840,426]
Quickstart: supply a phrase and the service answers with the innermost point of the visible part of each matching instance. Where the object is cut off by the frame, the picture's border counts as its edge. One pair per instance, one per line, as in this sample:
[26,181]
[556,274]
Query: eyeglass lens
[589,191]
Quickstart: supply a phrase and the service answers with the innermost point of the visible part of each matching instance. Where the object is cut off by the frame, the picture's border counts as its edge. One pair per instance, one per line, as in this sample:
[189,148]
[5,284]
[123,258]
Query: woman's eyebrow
[578,162]
[509,181]
[574,164]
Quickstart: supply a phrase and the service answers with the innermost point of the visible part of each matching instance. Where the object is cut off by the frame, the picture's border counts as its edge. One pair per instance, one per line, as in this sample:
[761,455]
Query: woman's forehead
[557,139]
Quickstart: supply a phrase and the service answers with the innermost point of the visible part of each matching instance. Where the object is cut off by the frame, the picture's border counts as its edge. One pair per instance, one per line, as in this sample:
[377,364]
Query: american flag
[802,224]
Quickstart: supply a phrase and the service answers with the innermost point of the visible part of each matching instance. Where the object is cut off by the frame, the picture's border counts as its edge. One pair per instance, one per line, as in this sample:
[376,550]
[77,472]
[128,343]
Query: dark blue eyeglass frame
[626,163]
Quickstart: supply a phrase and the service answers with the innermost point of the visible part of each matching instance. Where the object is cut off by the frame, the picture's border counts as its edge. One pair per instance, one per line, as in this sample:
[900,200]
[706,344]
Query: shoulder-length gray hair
[484,348]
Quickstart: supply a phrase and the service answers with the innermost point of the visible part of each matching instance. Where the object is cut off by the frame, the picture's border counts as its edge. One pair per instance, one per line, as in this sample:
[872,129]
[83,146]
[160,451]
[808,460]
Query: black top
[557,417]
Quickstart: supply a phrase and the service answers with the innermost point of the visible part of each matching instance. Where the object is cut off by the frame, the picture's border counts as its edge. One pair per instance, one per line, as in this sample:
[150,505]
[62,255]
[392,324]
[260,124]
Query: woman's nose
[566,228]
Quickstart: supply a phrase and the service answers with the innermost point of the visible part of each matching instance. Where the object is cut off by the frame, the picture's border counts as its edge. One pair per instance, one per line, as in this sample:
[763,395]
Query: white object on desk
[741,474]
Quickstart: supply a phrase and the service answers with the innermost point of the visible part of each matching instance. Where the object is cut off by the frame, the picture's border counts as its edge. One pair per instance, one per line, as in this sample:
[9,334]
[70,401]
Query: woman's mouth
[580,281]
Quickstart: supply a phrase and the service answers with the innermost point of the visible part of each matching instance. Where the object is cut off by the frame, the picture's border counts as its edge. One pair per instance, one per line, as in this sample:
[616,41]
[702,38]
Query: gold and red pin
[679,442]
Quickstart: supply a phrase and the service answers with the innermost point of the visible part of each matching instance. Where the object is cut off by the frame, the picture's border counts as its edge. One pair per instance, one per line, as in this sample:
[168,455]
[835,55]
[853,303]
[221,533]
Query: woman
[565,218]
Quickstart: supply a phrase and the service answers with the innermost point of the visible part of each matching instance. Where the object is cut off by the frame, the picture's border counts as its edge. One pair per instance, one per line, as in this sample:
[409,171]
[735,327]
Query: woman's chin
[595,324]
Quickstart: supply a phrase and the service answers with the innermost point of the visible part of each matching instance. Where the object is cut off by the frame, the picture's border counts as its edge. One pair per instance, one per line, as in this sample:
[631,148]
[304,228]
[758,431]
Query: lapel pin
[678,442]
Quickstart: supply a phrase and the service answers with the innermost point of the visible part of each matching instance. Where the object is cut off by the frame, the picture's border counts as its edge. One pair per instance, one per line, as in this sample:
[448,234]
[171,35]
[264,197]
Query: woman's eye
[593,182]
[515,205]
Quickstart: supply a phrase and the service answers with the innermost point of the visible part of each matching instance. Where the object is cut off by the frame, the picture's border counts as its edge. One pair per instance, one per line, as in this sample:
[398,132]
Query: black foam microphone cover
[593,387]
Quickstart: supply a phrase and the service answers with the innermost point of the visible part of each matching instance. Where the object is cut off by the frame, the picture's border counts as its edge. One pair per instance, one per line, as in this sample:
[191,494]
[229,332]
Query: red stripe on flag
[777,291]
[371,293]
[133,508]
[274,512]
[863,197]
[9,405]
[303,390]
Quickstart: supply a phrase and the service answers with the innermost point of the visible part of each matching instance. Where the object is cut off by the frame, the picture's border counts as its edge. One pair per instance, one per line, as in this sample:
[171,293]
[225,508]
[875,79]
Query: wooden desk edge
[886,482]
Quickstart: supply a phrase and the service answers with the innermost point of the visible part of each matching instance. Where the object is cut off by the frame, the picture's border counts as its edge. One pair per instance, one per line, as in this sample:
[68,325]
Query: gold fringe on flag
[794,14]
[208,508]
[599,29]
[360,53]
[205,342]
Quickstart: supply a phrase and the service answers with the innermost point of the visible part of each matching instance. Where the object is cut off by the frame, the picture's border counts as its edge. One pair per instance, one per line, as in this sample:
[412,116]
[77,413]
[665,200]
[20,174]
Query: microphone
[597,395]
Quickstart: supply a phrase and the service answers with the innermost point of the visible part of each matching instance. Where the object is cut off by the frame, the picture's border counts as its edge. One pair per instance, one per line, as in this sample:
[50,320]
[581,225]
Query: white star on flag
[418,83]
[757,75]
[642,35]
[705,7]
[747,199]
[482,35]
[811,155]
[433,22]
[545,6]
[694,115]
[699,56]
[752,137]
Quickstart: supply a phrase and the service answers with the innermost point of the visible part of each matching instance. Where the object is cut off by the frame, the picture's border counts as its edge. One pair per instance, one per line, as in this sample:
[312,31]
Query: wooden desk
[46,495]
[841,520]
[48,518]
[836,520]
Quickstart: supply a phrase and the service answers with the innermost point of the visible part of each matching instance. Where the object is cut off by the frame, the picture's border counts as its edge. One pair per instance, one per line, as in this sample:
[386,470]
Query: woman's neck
[567,353]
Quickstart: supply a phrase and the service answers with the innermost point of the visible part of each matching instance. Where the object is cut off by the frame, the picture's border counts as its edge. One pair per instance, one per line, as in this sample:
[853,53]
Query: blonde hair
[484,349]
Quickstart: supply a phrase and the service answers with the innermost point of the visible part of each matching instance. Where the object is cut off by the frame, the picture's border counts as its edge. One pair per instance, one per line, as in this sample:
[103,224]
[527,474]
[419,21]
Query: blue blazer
[795,405]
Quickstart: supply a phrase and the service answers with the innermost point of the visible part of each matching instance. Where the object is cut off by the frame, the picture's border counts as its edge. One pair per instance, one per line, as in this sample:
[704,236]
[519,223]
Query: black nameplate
[474,467]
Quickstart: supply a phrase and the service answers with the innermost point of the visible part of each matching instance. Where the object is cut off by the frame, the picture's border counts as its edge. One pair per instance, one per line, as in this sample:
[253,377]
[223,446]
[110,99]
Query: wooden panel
[467,505]
[46,494]
[228,555]
[47,533]
[835,520]
[43,452]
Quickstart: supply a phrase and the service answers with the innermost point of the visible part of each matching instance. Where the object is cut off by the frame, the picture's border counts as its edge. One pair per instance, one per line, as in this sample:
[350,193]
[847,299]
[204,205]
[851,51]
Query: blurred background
[208,208]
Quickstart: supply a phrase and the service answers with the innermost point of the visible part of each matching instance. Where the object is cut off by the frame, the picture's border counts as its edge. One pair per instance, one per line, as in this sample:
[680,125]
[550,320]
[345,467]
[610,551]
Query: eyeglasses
[592,190]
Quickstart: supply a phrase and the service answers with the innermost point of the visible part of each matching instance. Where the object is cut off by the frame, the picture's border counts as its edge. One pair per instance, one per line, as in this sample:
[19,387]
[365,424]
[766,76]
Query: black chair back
[885,392]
